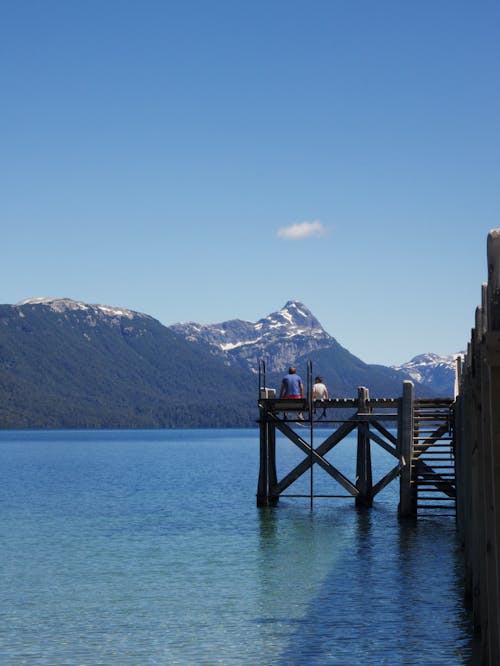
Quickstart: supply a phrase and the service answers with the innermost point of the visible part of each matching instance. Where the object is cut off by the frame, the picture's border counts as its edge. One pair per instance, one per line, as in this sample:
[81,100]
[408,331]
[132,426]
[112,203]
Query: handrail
[262,375]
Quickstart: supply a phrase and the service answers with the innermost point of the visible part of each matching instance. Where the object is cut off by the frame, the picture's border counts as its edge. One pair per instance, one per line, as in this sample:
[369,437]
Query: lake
[146,547]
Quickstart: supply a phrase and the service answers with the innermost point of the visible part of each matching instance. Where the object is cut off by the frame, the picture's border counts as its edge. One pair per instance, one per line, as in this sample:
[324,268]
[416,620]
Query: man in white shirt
[319,394]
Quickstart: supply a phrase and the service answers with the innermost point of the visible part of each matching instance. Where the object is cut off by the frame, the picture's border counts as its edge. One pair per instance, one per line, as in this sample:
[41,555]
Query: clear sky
[209,160]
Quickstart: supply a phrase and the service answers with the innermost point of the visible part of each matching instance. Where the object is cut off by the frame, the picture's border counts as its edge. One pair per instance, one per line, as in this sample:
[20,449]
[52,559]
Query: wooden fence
[478,461]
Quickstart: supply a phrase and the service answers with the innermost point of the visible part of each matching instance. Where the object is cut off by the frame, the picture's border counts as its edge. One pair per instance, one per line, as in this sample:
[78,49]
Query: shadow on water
[379,591]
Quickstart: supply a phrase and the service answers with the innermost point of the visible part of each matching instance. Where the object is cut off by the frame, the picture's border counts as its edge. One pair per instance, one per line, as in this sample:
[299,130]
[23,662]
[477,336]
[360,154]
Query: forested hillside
[64,366]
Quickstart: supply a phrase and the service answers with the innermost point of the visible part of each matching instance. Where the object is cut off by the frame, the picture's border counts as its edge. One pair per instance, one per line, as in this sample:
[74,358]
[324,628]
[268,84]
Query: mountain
[278,339]
[67,364]
[293,335]
[435,372]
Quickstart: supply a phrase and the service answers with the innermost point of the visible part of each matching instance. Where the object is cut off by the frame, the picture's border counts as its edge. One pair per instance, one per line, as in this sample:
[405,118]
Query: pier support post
[407,495]
[267,468]
[364,481]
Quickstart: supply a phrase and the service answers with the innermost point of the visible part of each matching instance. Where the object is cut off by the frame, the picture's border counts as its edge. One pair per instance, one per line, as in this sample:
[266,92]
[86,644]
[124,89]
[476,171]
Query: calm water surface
[145,547]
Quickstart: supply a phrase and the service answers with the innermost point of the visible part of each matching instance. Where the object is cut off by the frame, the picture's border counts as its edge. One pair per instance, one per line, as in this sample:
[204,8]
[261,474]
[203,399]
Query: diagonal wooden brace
[317,455]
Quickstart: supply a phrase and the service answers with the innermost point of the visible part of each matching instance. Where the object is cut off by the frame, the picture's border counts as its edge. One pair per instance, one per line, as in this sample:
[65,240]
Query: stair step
[436,478]
[431,457]
[429,416]
[434,497]
[443,471]
[434,467]
[433,482]
[433,461]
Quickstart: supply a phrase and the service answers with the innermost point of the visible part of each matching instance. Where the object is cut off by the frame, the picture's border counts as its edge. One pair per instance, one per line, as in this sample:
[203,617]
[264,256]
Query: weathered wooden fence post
[407,494]
[477,431]
[480,488]
[463,466]
[458,374]
[492,313]
[364,481]
[267,468]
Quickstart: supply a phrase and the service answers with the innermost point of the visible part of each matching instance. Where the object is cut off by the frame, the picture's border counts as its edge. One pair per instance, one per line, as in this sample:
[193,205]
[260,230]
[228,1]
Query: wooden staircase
[433,460]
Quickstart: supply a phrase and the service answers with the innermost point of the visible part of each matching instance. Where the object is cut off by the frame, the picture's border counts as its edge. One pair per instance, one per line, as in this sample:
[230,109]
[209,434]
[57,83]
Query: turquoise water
[146,547]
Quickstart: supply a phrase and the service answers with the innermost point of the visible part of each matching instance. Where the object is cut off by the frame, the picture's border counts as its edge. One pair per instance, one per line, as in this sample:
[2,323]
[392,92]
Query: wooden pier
[417,433]
[446,453]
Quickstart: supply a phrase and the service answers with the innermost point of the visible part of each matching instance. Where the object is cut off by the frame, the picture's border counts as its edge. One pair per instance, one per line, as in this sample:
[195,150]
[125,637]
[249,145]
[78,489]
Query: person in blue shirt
[292,387]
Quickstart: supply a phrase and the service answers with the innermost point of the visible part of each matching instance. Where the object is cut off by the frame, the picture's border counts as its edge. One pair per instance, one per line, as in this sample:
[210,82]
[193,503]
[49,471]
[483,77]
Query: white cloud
[301,230]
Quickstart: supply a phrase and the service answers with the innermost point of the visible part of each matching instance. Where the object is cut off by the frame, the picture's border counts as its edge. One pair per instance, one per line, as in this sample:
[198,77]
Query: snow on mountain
[294,332]
[432,370]
[62,305]
[278,338]
[290,333]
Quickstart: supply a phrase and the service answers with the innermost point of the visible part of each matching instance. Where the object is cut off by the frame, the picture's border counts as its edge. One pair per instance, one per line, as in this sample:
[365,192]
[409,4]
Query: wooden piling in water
[364,480]
[407,494]
[267,470]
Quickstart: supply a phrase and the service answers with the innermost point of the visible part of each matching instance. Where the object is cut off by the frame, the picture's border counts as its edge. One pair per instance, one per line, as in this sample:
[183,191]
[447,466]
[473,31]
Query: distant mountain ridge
[437,372]
[62,305]
[277,339]
[69,364]
[294,334]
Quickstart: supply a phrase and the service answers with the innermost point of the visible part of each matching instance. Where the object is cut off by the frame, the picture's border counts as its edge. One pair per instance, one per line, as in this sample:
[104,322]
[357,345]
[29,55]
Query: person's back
[291,385]
[320,392]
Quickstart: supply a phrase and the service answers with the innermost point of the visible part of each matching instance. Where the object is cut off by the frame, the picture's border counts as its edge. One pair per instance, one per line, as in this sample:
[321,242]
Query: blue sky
[202,161]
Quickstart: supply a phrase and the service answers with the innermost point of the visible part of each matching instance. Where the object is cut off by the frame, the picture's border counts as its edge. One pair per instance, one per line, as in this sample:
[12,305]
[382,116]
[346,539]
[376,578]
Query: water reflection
[153,564]
[355,586]
[267,517]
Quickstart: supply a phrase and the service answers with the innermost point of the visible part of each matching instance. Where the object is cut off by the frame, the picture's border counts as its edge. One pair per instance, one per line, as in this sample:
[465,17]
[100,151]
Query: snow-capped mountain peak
[431,368]
[62,305]
[277,338]
[294,317]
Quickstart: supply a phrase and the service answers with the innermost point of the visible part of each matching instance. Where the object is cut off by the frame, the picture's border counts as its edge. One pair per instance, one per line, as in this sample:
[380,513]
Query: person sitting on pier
[292,388]
[319,395]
